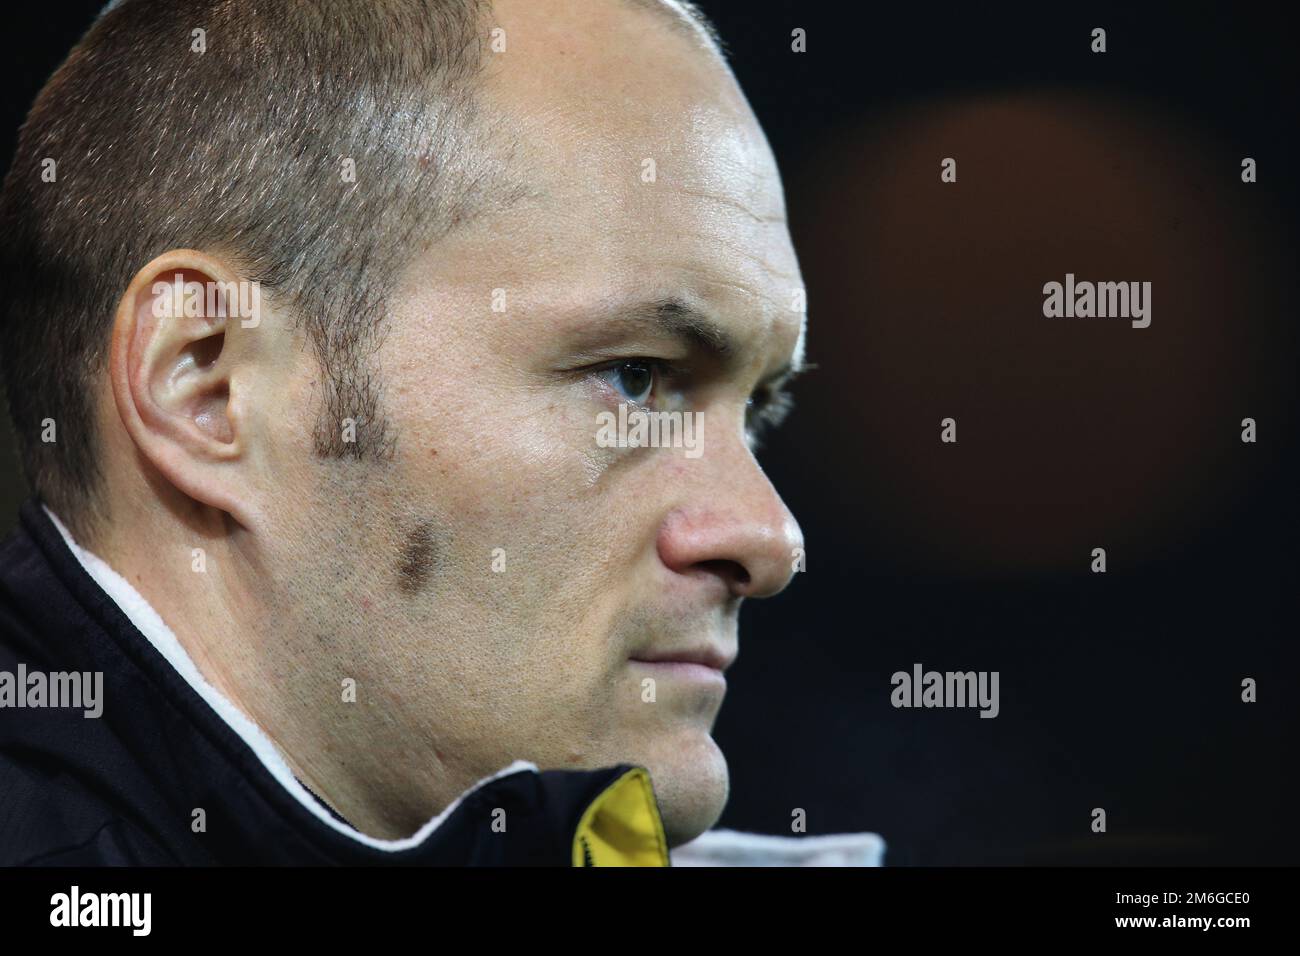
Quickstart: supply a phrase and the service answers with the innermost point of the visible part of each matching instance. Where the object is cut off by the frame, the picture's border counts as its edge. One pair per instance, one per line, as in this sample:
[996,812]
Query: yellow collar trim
[622,826]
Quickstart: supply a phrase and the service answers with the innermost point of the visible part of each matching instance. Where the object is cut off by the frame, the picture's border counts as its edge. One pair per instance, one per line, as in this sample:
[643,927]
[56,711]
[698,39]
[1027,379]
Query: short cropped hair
[226,127]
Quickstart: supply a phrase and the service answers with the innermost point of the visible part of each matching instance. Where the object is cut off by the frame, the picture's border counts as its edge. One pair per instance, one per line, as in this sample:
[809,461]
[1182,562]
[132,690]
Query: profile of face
[505,586]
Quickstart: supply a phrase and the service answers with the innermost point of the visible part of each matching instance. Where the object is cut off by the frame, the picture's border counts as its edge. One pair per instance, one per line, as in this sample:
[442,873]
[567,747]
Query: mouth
[688,660]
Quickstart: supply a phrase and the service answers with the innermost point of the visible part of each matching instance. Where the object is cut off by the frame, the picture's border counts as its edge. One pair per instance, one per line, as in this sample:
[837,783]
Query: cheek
[516,460]
[526,531]
[520,481]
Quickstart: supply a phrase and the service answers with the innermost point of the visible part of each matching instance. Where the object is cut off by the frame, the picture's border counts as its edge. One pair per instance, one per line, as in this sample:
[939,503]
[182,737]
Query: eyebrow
[680,320]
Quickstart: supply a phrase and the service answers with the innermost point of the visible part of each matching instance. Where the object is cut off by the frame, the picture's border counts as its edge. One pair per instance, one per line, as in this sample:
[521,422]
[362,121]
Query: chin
[691,783]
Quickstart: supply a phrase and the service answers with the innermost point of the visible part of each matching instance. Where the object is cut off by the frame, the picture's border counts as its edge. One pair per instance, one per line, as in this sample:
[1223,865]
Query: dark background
[1118,690]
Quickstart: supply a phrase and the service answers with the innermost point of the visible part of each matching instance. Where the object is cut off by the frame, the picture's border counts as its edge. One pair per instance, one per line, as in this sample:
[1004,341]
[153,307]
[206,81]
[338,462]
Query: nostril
[733,572]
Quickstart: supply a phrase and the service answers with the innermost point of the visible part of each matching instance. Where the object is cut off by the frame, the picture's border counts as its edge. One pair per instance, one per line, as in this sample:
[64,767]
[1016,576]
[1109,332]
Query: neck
[209,586]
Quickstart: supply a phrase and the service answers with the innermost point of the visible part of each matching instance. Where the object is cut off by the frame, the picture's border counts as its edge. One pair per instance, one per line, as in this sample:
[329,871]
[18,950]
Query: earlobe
[171,367]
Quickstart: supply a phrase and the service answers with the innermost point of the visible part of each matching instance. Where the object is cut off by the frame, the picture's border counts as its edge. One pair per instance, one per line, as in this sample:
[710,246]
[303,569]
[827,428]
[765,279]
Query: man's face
[525,574]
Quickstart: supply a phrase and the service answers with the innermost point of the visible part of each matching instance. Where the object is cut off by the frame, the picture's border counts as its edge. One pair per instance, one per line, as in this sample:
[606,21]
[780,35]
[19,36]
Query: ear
[180,336]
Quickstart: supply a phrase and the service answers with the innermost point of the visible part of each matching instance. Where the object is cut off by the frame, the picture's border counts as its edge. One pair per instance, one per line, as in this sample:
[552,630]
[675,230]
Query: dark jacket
[123,788]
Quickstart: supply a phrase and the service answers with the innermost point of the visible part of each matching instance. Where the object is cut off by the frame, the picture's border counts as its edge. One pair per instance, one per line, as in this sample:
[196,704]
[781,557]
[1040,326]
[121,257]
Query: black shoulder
[47,820]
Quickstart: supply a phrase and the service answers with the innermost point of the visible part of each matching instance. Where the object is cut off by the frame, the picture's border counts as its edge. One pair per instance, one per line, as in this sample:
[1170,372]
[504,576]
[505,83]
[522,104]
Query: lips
[707,656]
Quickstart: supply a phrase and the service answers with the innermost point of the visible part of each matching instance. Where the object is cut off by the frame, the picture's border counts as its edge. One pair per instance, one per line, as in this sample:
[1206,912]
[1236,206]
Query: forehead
[604,105]
[645,175]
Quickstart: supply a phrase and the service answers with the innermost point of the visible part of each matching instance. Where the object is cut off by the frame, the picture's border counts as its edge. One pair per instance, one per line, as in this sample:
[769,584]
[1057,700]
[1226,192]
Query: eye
[634,379]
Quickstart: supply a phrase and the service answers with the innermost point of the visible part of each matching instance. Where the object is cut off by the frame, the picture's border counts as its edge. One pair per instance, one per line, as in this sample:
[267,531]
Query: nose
[733,526]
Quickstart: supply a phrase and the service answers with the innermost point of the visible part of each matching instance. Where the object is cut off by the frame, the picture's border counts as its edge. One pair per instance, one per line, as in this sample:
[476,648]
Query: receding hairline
[686,18]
